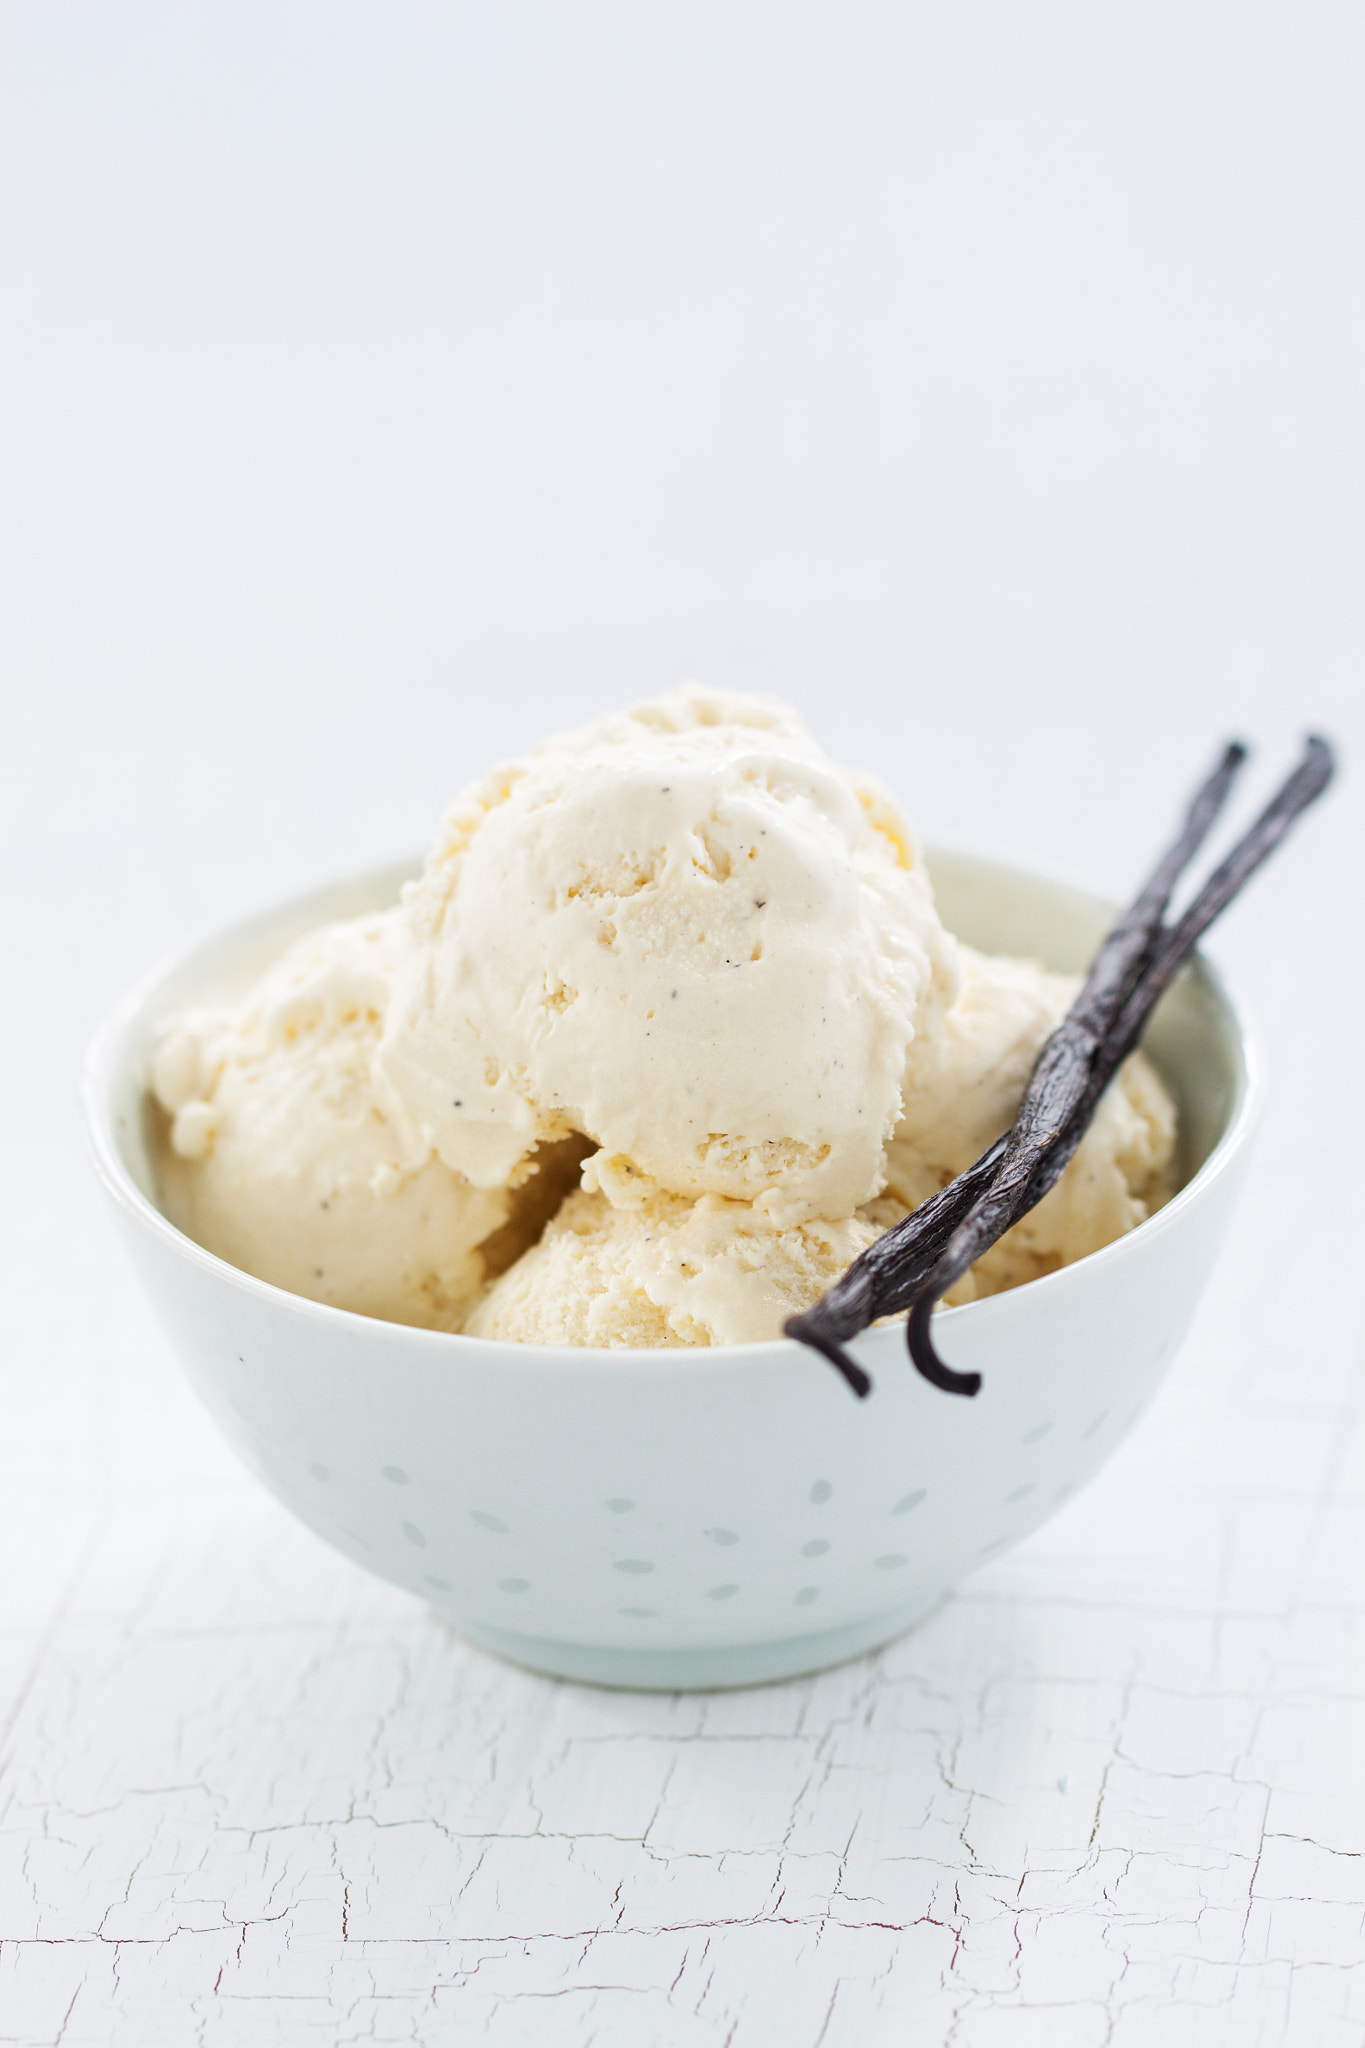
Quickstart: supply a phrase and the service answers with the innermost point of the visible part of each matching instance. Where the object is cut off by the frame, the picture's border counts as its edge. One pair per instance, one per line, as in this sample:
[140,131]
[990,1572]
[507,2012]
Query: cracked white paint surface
[311,525]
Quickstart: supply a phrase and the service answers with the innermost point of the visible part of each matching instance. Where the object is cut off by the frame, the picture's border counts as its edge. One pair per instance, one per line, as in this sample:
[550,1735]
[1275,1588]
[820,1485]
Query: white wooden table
[389,385]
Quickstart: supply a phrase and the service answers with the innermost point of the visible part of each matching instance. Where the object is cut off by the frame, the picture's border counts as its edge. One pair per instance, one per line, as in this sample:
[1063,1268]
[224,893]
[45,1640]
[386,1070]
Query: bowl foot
[703,1668]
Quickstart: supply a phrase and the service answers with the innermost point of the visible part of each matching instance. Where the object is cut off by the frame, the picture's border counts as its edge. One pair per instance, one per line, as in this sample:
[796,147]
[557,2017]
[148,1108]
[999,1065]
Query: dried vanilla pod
[921,1258]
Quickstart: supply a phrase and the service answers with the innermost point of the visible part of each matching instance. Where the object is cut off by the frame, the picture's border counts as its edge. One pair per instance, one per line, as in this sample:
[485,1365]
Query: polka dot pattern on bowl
[845,1555]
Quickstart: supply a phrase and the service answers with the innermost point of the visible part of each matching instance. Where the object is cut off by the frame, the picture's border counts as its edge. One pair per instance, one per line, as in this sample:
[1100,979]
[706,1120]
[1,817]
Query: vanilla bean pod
[890,1274]
[1044,1138]
[891,1271]
[1132,968]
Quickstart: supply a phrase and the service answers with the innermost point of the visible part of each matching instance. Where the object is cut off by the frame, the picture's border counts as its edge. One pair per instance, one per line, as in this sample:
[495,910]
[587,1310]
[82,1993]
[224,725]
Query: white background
[387,384]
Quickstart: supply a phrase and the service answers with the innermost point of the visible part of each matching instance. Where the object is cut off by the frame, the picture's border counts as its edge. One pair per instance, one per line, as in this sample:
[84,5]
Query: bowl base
[705,1668]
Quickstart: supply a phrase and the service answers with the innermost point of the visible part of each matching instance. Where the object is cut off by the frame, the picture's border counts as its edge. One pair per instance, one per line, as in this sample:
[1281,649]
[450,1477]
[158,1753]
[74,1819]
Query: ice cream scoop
[654,1269]
[285,1157]
[669,1272]
[684,932]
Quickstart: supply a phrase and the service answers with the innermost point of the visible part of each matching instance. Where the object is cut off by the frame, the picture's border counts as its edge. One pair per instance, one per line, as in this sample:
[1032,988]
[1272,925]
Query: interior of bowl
[1195,1038]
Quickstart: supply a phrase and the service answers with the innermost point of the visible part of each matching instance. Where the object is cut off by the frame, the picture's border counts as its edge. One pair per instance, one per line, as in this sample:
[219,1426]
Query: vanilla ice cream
[285,1157]
[666,1034]
[674,1272]
[963,1084]
[652,1269]
[685,933]
[666,1272]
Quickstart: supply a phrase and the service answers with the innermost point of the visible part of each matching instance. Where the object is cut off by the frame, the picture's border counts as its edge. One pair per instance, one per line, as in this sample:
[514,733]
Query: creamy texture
[285,1158]
[963,1080]
[682,955]
[667,1272]
[963,1085]
[682,931]
[648,1269]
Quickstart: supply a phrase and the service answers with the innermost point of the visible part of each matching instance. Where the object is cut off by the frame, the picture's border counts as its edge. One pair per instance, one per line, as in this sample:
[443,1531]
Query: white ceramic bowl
[688,1518]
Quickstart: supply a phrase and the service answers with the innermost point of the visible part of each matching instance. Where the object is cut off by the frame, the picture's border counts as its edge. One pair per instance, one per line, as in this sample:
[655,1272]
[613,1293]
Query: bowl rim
[101,1066]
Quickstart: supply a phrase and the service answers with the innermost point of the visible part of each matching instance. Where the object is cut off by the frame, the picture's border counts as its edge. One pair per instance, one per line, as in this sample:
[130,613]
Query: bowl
[689,1518]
